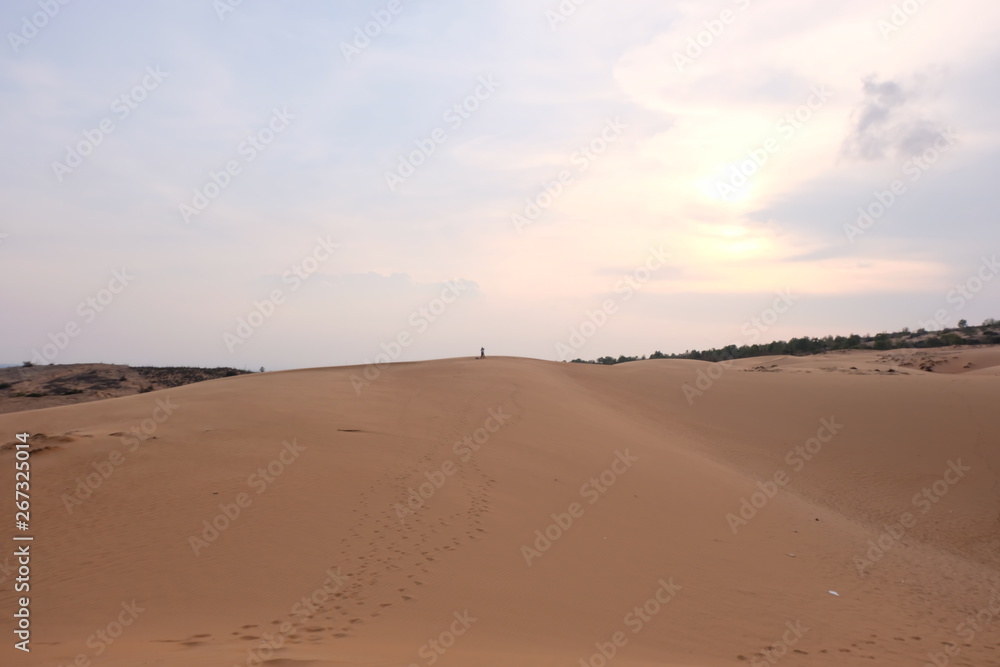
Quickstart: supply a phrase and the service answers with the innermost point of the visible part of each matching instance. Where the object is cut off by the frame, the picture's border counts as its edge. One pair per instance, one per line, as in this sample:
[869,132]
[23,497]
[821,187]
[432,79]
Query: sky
[301,184]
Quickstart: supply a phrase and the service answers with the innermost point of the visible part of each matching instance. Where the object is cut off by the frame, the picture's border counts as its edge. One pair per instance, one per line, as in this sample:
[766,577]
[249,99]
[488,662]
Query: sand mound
[517,512]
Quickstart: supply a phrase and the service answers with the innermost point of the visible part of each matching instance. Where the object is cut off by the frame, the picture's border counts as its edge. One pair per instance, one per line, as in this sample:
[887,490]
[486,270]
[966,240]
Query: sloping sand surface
[686,513]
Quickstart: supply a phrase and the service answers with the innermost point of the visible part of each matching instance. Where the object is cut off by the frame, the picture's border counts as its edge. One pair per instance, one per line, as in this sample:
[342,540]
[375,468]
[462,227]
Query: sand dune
[519,512]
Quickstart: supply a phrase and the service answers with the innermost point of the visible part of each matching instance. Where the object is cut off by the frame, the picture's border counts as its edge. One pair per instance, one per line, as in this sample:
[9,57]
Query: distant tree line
[987,334]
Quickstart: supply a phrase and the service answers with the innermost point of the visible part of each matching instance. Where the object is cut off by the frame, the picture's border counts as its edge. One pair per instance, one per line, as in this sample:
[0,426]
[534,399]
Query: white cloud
[689,132]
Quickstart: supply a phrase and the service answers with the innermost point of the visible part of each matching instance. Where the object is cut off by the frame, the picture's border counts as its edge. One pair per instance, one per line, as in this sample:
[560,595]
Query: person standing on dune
[482,353]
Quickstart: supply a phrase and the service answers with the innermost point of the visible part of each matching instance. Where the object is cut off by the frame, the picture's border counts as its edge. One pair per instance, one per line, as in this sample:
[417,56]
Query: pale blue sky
[667,122]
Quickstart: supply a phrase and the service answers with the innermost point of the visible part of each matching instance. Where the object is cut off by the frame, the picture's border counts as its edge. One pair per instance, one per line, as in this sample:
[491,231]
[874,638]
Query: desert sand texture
[842,509]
